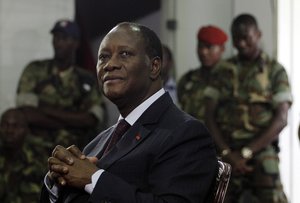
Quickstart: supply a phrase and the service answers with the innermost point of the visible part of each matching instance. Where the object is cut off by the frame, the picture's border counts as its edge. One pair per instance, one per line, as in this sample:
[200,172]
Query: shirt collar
[132,117]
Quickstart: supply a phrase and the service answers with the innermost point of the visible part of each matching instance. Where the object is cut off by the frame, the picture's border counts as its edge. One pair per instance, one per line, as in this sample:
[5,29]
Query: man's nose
[203,50]
[242,43]
[112,63]
[7,129]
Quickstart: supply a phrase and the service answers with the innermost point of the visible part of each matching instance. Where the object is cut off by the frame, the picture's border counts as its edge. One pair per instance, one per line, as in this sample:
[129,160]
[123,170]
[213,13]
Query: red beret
[212,35]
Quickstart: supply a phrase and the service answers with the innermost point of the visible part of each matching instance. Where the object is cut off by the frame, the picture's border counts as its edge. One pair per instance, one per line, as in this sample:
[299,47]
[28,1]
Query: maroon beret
[212,35]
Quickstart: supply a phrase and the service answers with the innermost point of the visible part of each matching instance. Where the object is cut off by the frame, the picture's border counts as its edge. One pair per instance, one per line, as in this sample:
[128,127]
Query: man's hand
[70,167]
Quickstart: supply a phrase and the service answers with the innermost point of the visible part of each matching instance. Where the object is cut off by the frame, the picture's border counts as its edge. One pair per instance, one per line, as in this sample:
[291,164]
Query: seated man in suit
[164,156]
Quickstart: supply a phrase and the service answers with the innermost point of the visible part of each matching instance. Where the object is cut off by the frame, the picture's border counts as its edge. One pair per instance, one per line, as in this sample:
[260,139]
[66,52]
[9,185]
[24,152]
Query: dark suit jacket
[166,156]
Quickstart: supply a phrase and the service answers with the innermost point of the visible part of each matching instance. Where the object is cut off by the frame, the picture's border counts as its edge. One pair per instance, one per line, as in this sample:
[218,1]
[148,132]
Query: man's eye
[125,53]
[103,56]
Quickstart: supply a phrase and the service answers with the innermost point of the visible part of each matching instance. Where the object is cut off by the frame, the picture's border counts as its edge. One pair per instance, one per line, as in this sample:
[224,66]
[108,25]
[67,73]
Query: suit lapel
[138,132]
[131,139]
[98,148]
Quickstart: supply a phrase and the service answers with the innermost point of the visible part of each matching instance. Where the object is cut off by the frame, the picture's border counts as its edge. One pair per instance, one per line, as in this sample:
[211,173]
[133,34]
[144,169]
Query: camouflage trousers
[263,185]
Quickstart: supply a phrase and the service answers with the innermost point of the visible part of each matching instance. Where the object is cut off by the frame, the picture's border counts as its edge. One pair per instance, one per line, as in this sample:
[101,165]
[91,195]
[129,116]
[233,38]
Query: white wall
[192,14]
[24,36]
[288,54]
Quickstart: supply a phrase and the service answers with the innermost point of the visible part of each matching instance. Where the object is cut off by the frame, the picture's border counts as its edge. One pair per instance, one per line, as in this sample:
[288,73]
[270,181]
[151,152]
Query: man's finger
[57,148]
[57,178]
[60,169]
[53,160]
[93,159]
[76,152]
[63,155]
[61,181]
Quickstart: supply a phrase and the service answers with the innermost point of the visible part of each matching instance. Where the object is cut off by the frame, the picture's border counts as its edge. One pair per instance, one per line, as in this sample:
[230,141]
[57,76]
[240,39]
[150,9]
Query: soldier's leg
[233,190]
[240,190]
[267,186]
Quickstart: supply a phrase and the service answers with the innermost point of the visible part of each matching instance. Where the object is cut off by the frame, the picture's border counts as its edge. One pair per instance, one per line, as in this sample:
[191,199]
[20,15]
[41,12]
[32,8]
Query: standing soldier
[247,109]
[211,40]
[61,100]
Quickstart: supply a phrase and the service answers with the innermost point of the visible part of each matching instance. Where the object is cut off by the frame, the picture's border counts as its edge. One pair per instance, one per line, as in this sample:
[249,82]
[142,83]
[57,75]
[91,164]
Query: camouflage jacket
[248,95]
[191,88]
[72,90]
[21,177]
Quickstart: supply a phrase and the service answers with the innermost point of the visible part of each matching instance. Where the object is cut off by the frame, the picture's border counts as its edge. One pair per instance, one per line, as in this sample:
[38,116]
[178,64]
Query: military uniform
[74,89]
[21,177]
[248,94]
[191,88]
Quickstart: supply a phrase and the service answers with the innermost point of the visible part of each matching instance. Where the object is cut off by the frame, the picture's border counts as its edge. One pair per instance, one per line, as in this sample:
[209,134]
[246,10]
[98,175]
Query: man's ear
[76,43]
[156,64]
[259,33]
[222,47]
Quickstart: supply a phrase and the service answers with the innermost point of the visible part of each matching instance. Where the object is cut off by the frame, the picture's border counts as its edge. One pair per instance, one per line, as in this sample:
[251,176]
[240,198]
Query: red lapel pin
[138,136]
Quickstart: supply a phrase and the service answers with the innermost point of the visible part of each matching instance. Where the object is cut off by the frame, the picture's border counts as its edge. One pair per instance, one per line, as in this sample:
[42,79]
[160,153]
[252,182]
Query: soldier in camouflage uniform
[247,108]
[22,160]
[62,101]
[191,86]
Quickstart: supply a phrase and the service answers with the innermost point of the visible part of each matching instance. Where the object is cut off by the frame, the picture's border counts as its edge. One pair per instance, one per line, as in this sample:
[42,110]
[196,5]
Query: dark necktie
[118,132]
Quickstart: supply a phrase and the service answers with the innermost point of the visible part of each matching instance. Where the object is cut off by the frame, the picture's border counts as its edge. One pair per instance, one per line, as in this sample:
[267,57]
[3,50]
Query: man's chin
[112,95]
[207,65]
[244,53]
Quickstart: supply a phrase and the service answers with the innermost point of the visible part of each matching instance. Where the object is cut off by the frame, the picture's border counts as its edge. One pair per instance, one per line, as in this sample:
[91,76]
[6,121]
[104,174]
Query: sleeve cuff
[90,187]
[51,188]
[282,97]
[27,99]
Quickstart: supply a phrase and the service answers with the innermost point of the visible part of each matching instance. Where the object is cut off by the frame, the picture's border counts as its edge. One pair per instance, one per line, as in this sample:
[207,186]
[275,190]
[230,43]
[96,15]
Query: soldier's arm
[282,100]
[210,120]
[272,132]
[35,117]
[238,164]
[89,113]
[55,118]
[80,118]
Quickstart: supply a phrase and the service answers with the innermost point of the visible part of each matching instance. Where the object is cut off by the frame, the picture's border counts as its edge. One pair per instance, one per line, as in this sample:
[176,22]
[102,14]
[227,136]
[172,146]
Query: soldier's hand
[239,164]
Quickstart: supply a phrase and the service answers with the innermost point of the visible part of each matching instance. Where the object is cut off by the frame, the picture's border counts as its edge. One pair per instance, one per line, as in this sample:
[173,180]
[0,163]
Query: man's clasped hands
[70,167]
